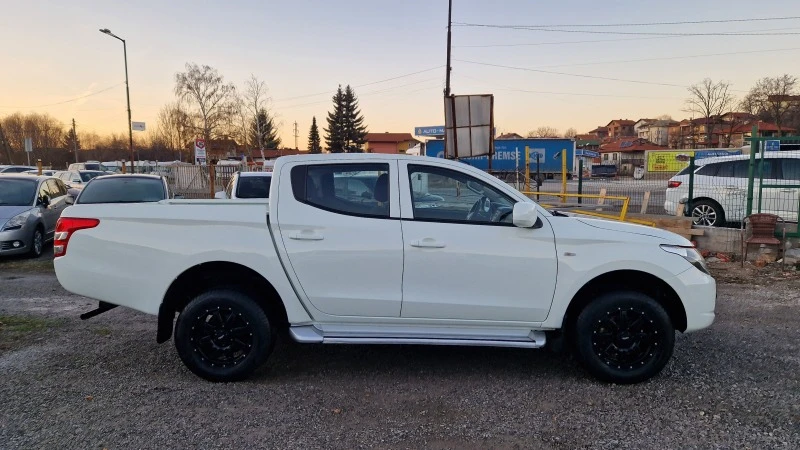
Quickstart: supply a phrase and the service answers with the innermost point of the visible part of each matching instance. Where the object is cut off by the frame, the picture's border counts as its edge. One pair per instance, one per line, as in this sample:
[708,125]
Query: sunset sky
[54,54]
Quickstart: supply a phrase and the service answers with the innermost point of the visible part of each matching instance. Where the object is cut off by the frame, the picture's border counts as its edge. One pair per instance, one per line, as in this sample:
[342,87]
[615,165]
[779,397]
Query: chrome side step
[419,336]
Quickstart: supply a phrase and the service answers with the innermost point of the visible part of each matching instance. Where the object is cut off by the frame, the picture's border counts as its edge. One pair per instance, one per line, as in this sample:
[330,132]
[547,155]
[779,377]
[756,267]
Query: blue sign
[700,154]
[772,146]
[587,153]
[429,131]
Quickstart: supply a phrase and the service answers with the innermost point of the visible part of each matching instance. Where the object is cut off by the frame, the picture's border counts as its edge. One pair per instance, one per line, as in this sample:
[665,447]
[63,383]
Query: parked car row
[30,205]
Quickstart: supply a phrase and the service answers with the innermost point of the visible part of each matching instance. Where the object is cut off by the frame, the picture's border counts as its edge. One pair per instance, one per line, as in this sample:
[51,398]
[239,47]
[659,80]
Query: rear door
[344,246]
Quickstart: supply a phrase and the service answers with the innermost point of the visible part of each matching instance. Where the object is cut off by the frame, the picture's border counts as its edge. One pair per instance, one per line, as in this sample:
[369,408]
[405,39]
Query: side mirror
[524,215]
[44,201]
[70,200]
[220,195]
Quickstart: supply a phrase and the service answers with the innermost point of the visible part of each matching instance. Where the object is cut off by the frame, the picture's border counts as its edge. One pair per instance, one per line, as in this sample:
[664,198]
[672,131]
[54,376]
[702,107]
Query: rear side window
[123,190]
[353,189]
[708,170]
[253,187]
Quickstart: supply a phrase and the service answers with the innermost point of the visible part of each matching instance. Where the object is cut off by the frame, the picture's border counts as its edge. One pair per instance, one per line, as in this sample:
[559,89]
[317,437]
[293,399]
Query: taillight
[673,184]
[65,227]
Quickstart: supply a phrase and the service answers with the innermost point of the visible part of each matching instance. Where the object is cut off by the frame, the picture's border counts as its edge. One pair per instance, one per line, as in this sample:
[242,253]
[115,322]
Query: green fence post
[580,180]
[753,149]
[691,185]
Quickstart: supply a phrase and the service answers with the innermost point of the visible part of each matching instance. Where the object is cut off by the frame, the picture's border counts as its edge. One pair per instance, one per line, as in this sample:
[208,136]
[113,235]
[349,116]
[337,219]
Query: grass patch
[16,330]
[105,332]
[28,265]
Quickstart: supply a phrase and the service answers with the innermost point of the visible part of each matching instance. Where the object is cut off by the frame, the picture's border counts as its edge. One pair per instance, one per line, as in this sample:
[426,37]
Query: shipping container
[509,155]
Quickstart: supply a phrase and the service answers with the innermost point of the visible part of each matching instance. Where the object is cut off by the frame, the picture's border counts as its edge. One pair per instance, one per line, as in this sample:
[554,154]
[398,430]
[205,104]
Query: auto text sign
[437,130]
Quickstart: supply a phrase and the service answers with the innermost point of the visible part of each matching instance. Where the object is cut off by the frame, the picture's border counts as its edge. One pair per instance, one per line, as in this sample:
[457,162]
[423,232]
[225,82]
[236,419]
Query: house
[640,127]
[741,133]
[509,136]
[626,153]
[600,132]
[620,128]
[655,131]
[389,142]
[587,141]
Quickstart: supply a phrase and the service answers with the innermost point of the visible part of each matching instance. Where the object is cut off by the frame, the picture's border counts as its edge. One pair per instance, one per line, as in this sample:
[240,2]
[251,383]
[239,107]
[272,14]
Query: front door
[464,259]
[341,234]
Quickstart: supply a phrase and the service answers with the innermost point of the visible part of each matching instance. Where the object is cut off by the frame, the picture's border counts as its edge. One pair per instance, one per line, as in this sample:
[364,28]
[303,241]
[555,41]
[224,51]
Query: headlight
[16,222]
[689,254]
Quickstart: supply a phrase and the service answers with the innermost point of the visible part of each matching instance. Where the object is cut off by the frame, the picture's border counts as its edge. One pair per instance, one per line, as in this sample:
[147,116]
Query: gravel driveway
[105,383]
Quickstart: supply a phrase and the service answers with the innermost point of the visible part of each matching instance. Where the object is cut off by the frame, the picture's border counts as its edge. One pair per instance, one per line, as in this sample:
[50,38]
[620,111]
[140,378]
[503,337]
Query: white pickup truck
[387,249]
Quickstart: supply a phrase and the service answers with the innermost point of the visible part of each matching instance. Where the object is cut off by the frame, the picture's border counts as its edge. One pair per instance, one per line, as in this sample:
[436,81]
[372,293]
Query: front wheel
[624,337]
[223,335]
[37,243]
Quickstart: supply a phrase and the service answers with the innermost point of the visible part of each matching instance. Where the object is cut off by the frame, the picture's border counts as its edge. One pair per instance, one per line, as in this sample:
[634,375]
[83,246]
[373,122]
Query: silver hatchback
[29,209]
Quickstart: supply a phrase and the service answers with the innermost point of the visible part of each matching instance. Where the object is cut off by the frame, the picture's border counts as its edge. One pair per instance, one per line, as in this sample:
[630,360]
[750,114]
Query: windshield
[123,190]
[17,192]
[253,187]
[88,175]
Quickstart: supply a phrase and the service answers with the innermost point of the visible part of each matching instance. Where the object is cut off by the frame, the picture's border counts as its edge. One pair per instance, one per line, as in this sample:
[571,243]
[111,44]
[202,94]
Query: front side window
[353,189]
[444,195]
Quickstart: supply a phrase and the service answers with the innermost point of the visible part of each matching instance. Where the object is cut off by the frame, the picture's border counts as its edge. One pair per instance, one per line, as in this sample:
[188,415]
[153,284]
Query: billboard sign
[137,126]
[772,145]
[468,123]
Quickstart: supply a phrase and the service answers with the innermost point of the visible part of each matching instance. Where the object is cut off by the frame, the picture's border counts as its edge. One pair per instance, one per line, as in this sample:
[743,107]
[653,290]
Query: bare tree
[174,129]
[570,133]
[664,117]
[544,132]
[768,98]
[709,100]
[205,89]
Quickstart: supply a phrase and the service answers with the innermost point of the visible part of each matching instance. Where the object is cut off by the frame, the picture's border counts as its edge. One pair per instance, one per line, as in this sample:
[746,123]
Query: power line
[364,94]
[637,33]
[589,41]
[578,94]
[691,22]
[571,74]
[667,58]
[65,101]
[360,85]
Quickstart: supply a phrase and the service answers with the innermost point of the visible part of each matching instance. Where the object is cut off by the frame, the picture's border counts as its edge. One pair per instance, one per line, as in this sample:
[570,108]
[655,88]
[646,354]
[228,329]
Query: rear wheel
[223,335]
[707,213]
[624,337]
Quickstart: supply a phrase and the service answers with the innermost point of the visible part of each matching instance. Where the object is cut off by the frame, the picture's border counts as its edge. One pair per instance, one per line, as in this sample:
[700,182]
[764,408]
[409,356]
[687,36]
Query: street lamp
[127,91]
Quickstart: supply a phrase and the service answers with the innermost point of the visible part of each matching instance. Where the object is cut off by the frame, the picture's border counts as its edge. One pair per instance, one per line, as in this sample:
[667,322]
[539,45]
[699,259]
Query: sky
[53,54]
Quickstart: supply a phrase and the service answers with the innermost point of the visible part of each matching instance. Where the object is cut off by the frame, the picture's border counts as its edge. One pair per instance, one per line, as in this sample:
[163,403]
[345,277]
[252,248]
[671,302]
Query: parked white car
[720,188]
[343,253]
[247,185]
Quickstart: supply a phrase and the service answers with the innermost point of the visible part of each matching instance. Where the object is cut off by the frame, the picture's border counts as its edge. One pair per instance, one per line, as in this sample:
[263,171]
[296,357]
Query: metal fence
[194,181]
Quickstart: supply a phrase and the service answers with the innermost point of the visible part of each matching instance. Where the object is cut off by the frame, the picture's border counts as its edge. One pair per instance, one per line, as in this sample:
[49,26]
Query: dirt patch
[750,274]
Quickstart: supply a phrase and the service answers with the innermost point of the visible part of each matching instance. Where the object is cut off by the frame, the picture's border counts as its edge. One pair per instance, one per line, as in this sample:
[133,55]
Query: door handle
[427,243]
[306,235]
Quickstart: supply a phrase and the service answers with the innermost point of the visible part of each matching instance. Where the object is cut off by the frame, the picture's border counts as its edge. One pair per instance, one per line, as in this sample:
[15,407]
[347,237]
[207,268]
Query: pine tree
[355,132]
[71,141]
[334,137]
[263,133]
[313,138]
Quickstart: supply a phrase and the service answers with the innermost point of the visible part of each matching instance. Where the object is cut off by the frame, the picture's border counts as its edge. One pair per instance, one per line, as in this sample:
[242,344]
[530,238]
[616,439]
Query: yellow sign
[658,161]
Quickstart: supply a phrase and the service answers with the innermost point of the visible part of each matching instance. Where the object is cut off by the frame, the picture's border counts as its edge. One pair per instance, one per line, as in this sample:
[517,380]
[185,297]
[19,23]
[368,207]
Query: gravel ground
[105,383]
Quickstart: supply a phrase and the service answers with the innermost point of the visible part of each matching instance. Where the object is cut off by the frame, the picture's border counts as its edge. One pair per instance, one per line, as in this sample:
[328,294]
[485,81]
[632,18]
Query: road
[105,383]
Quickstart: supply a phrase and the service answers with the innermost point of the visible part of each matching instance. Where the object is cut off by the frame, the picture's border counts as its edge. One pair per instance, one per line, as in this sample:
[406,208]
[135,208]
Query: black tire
[623,337]
[214,352]
[37,243]
[707,213]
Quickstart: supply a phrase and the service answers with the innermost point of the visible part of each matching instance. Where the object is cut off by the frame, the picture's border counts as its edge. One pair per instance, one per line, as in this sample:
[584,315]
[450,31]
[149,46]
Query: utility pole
[296,135]
[448,68]
[74,140]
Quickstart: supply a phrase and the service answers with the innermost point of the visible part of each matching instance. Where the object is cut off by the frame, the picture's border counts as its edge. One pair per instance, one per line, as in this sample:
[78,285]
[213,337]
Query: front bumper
[698,292]
[16,242]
